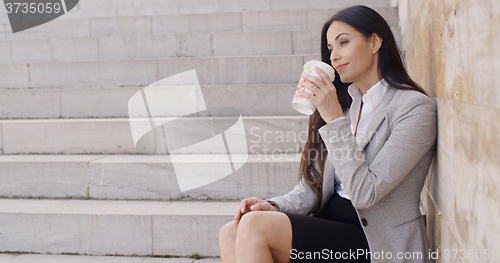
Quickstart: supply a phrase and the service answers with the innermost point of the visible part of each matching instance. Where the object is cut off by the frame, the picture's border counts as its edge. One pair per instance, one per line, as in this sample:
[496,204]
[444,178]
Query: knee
[254,222]
[228,230]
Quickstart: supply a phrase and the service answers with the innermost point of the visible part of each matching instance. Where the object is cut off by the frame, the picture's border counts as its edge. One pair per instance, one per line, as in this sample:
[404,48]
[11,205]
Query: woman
[369,148]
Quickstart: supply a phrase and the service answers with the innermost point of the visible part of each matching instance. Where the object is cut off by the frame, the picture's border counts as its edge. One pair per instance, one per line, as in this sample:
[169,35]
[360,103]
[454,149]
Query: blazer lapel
[378,116]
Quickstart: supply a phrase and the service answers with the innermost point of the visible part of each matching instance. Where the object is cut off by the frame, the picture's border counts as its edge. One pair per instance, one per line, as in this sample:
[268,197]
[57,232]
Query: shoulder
[414,115]
[405,101]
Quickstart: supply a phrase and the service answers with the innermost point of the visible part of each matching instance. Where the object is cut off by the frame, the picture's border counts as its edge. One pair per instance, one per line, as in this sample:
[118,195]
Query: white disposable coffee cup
[302,104]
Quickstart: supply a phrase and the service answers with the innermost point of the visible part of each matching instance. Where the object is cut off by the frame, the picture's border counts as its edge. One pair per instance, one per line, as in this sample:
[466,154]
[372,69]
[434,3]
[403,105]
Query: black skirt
[334,235]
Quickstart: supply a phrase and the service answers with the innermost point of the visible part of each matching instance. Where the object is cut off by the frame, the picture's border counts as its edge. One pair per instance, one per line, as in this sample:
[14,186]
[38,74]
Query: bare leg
[227,240]
[263,236]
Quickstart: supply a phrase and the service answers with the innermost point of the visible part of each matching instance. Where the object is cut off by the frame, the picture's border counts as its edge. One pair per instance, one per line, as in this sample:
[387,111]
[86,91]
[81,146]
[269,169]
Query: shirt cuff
[339,118]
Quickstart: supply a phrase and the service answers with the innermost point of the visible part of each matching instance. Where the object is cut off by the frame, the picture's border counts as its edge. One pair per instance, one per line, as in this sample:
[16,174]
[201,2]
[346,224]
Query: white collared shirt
[371,100]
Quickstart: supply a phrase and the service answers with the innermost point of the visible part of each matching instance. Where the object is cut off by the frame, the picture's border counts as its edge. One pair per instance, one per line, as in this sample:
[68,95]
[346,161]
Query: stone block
[234,70]
[158,3]
[87,13]
[3,15]
[2,31]
[210,260]
[252,43]
[288,5]
[463,218]
[207,69]
[488,182]
[133,177]
[113,227]
[224,7]
[113,26]
[237,70]
[263,175]
[69,136]
[55,50]
[264,135]
[316,18]
[45,176]
[58,28]
[154,47]
[319,4]
[293,20]
[306,42]
[4,51]
[1,139]
[196,23]
[7,257]
[274,135]
[93,74]
[78,226]
[182,234]
[15,75]
[95,4]
[260,99]
[147,11]
[389,14]
[309,57]
[72,136]
[29,103]
[184,227]
[96,102]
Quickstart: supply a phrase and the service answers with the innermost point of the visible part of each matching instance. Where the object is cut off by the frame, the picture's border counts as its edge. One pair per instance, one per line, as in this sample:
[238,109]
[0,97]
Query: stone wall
[452,49]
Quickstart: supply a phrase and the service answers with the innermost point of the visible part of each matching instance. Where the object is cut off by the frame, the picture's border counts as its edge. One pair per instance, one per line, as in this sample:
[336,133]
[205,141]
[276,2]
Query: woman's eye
[343,42]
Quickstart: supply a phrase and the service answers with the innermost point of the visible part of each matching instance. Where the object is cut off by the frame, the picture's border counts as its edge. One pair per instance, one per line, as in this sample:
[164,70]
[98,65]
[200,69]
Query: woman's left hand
[325,95]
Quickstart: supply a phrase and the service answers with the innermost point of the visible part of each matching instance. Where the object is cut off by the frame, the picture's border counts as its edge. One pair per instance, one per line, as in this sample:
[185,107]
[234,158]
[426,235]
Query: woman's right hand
[252,204]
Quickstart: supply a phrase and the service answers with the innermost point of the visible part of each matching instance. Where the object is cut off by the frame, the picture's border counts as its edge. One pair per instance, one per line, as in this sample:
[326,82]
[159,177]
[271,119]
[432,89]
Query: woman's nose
[334,56]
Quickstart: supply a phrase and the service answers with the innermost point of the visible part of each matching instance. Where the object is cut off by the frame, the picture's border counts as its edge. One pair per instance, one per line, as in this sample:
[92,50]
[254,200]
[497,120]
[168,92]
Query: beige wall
[452,48]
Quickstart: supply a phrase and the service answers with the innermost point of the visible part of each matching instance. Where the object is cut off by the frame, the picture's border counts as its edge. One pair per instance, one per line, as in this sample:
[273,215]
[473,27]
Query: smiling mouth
[340,67]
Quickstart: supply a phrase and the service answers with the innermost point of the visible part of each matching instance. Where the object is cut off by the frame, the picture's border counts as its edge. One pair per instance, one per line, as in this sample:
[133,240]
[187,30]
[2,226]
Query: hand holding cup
[318,90]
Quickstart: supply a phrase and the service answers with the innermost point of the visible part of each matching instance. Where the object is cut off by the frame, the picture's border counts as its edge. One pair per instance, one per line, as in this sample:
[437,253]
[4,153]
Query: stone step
[259,100]
[263,134]
[118,73]
[44,258]
[98,227]
[140,177]
[95,8]
[158,47]
[163,46]
[147,25]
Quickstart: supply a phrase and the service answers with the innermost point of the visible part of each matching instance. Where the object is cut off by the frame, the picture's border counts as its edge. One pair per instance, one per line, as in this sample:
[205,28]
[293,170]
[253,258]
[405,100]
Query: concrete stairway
[73,181]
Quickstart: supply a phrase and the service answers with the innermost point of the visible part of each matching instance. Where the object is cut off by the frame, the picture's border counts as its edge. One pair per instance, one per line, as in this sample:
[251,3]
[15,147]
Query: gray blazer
[383,175]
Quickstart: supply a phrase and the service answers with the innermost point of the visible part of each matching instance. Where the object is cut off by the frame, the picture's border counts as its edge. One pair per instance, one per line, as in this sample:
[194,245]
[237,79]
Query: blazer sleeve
[413,133]
[300,200]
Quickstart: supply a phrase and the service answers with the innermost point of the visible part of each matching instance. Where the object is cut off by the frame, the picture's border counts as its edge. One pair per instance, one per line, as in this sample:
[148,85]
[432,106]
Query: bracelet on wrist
[274,204]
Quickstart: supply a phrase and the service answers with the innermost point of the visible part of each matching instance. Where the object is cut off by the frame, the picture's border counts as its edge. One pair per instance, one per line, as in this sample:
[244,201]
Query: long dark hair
[390,68]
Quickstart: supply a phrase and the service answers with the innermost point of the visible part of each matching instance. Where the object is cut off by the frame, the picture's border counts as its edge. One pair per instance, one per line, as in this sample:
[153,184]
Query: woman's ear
[376,42]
